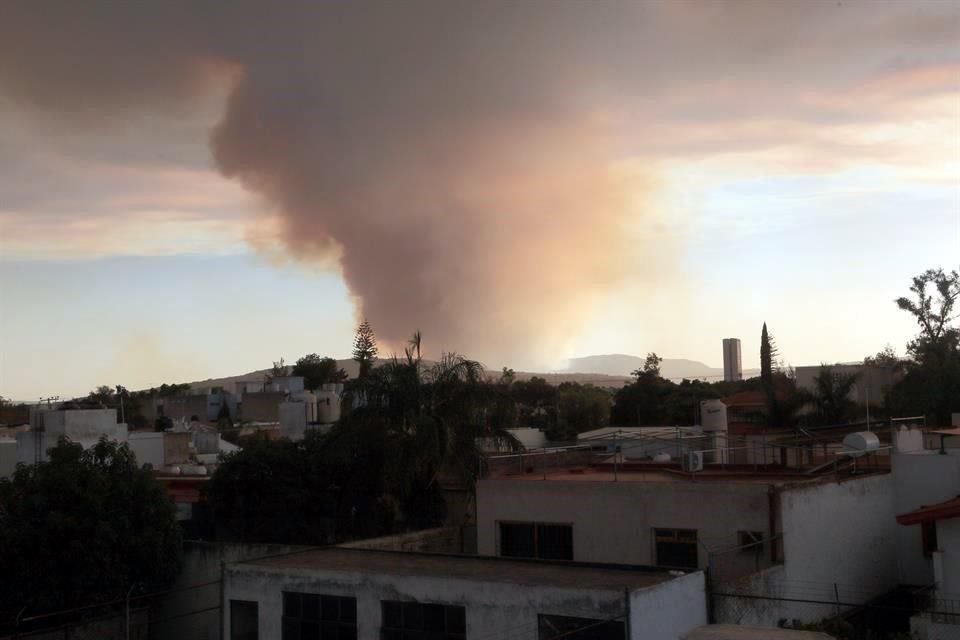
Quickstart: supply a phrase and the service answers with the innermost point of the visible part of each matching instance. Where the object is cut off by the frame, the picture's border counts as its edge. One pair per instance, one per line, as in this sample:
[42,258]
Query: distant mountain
[611,370]
[619,364]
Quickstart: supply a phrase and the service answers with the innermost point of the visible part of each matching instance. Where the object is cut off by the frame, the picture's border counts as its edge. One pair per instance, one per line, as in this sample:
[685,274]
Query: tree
[931,385]
[651,366]
[278,370]
[830,398]
[933,316]
[886,358]
[83,528]
[365,348]
[317,371]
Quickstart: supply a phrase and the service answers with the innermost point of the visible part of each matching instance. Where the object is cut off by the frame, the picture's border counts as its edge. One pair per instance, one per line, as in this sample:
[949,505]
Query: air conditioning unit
[693,461]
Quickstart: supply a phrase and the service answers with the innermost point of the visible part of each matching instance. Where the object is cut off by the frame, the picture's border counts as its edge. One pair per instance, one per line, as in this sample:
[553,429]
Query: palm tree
[830,398]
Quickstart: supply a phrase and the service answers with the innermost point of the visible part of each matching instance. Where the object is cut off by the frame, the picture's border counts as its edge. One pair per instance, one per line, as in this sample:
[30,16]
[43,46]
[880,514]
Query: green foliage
[931,385]
[378,470]
[365,348]
[830,399]
[82,528]
[317,371]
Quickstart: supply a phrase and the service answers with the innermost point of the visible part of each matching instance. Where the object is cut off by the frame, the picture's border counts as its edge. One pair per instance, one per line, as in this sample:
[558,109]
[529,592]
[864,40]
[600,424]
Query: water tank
[860,443]
[328,407]
[713,415]
[663,456]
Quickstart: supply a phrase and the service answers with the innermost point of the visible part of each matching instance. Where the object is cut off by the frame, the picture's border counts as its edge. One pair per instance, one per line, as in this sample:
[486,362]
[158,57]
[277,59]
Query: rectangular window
[928,531]
[570,628]
[311,616]
[676,548]
[243,620]
[536,540]
[750,542]
[422,621]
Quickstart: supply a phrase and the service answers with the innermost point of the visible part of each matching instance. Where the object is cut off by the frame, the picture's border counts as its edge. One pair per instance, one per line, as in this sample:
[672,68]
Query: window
[928,532]
[569,628]
[243,620]
[676,548]
[422,621]
[310,616]
[536,540]
[750,542]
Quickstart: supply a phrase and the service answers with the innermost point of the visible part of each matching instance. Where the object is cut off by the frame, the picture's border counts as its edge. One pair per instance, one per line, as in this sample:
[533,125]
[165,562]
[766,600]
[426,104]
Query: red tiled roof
[940,511]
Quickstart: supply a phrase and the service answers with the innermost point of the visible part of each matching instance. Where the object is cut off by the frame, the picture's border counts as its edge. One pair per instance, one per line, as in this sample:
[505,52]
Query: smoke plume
[459,161]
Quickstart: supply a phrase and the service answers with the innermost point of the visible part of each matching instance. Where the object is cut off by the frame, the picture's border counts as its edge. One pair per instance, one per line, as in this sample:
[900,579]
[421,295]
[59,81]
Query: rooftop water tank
[860,443]
[713,415]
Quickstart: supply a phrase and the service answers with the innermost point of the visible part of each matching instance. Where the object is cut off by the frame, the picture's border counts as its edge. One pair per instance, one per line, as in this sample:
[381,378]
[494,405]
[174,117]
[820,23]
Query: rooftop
[476,568]
[654,472]
[746,632]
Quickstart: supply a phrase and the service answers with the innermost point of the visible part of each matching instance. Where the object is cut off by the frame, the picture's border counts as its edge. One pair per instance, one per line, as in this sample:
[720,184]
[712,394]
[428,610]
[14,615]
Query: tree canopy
[318,371]
[931,386]
[83,527]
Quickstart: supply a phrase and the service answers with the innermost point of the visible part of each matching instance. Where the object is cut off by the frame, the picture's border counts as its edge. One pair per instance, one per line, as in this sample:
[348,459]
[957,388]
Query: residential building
[871,387]
[761,529]
[939,525]
[732,365]
[364,594]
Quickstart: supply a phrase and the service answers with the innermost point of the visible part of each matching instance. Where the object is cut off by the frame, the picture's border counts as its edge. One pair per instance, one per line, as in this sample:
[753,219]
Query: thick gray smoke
[460,161]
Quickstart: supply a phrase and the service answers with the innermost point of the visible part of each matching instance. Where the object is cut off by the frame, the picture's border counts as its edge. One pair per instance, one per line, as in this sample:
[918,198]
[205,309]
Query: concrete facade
[732,365]
[501,598]
[921,477]
[261,407]
[820,535]
[837,539]
[873,383]
[614,521]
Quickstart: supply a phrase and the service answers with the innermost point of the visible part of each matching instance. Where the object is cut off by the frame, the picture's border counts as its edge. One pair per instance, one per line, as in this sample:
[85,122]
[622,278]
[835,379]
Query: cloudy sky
[190,190]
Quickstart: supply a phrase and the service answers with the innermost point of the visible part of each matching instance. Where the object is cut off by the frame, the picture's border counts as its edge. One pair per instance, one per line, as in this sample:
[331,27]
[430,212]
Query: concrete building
[760,531]
[921,476]
[82,426]
[732,364]
[371,594]
[872,385]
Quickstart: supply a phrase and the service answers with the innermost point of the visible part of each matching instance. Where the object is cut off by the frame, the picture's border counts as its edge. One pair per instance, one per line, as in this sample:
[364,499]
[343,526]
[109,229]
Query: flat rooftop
[572,575]
[671,473]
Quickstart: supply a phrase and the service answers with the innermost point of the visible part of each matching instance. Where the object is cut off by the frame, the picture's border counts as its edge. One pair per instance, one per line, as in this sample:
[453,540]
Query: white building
[370,595]
[939,525]
[760,532]
[871,386]
[732,364]
[82,426]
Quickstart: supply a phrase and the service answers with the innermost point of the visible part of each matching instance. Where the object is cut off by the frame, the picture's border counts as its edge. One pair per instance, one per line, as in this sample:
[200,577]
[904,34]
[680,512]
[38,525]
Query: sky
[194,190]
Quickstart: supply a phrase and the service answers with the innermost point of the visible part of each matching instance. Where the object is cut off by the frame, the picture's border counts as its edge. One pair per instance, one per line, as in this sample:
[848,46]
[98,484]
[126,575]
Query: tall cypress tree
[768,366]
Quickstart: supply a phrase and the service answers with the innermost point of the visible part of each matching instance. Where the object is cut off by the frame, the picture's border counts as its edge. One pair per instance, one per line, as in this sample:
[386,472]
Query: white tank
[860,443]
[713,415]
[310,400]
[663,456]
[328,407]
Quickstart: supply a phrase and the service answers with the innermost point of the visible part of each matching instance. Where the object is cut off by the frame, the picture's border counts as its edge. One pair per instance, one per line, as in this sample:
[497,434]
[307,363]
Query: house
[760,529]
[364,594]
[940,602]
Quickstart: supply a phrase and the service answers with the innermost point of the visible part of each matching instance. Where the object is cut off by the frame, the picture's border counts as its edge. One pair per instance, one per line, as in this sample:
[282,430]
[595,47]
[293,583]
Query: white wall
[614,521]
[920,478]
[493,609]
[148,447]
[947,559]
[837,538]
[670,609]
[8,458]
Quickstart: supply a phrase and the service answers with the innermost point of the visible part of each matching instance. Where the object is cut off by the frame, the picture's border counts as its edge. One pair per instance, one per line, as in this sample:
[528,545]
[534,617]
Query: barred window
[422,621]
[536,540]
[311,616]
